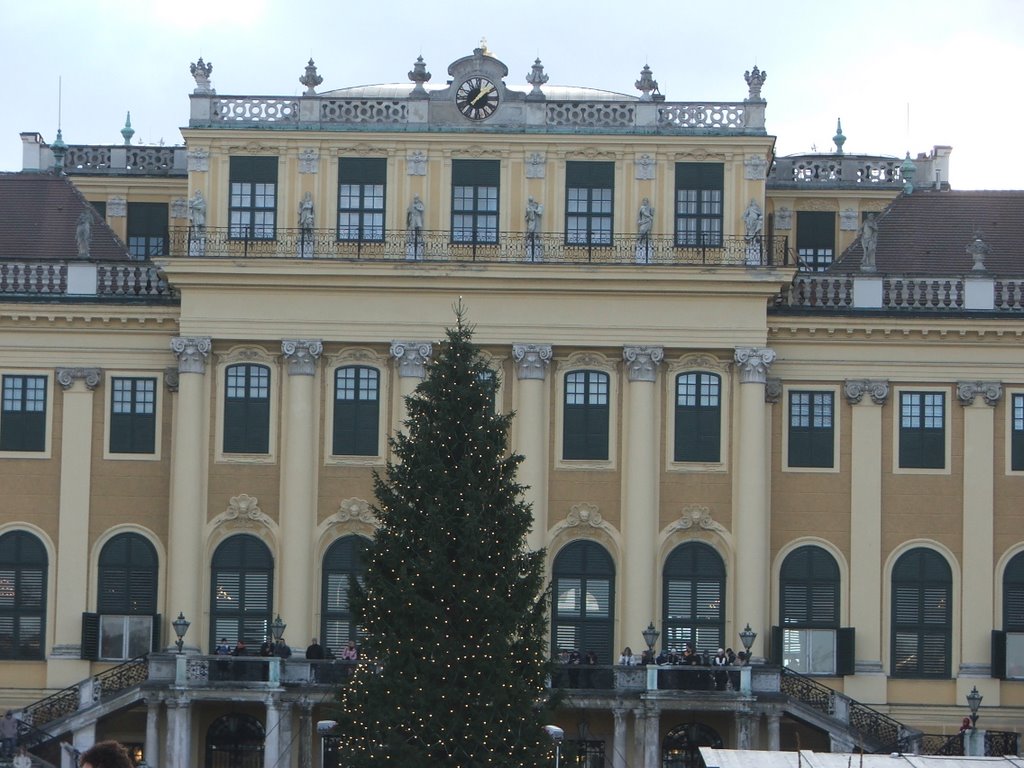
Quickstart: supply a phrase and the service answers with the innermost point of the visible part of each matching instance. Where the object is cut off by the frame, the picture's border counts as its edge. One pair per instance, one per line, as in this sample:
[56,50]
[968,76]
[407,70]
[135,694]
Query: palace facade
[764,402]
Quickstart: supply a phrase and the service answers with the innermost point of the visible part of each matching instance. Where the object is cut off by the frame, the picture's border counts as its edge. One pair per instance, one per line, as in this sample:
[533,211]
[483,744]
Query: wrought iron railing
[505,247]
[889,734]
[120,678]
[1000,743]
[809,691]
[940,744]
[55,706]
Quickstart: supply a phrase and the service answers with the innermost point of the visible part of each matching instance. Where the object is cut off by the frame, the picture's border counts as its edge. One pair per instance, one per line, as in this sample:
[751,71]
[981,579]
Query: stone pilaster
[640,471]
[298,487]
[751,518]
[978,399]
[869,683]
[774,742]
[532,361]
[189,461]
[272,741]
[411,363]
[652,736]
[619,738]
[66,666]
[179,737]
[305,732]
[151,748]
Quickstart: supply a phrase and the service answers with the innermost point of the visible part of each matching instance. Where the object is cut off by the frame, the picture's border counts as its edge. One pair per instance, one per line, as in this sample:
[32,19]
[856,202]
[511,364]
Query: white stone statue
[83,234]
[197,210]
[753,221]
[534,212]
[306,216]
[414,215]
[645,218]
[869,242]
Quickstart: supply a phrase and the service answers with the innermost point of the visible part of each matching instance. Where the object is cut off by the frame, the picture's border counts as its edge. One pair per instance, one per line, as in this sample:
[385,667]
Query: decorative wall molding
[243,512]
[855,389]
[783,219]
[644,165]
[772,390]
[301,355]
[191,352]
[532,360]
[199,159]
[755,168]
[967,391]
[642,362]
[355,510]
[171,378]
[536,165]
[117,207]
[67,377]
[696,516]
[848,220]
[309,160]
[179,208]
[411,358]
[754,363]
[416,163]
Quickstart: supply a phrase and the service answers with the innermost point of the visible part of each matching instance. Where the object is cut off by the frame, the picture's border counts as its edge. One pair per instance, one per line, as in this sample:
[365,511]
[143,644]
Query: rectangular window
[815,240]
[809,651]
[811,435]
[475,201]
[589,197]
[922,430]
[1015,655]
[585,425]
[253,203]
[23,415]
[147,229]
[125,637]
[356,411]
[132,415]
[698,417]
[1017,434]
[247,409]
[361,198]
[699,193]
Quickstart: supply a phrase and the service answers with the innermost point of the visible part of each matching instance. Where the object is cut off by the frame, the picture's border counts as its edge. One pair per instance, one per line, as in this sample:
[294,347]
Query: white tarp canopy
[752,758]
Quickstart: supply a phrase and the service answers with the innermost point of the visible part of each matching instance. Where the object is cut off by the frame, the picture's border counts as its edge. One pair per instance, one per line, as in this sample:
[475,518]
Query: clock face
[477,98]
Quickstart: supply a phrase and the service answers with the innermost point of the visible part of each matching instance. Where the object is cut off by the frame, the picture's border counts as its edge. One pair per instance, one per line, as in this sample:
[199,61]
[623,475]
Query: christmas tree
[453,608]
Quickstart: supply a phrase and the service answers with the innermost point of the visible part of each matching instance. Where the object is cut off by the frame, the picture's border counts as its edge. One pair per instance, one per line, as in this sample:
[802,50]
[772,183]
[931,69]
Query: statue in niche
[83,234]
[869,242]
[414,215]
[197,210]
[753,221]
[645,218]
[534,212]
[306,216]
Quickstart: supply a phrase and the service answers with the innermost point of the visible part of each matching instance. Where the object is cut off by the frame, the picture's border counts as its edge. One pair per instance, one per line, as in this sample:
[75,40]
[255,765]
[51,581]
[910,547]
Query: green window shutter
[775,647]
[23,415]
[574,433]
[247,409]
[998,654]
[699,193]
[846,651]
[356,411]
[1017,433]
[156,643]
[922,430]
[90,636]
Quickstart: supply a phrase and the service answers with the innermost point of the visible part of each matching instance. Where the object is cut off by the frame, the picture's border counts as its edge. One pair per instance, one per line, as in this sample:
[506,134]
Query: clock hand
[483,92]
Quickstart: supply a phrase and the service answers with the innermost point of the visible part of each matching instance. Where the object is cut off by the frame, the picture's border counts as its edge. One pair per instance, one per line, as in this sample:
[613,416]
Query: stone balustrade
[827,291]
[835,171]
[112,280]
[115,160]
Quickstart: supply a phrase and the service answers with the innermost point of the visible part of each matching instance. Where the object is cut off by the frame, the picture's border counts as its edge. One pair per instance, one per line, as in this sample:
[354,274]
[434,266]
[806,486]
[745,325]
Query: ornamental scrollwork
[696,516]
[584,514]
[355,510]
[243,512]
[67,377]
[967,391]
[855,389]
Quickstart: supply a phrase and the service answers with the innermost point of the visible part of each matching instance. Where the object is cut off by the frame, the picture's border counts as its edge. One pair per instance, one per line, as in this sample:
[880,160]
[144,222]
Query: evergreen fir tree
[453,607]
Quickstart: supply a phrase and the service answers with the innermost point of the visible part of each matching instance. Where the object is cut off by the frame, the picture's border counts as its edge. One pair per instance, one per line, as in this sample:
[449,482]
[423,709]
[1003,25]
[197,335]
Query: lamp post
[651,636]
[974,702]
[747,637]
[278,628]
[557,735]
[181,625]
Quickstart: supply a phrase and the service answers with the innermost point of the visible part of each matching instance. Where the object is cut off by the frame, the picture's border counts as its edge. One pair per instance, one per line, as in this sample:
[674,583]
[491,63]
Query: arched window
[356,411]
[343,562]
[128,624]
[584,606]
[1008,644]
[681,748]
[808,639]
[585,417]
[694,598]
[247,409]
[922,615]
[241,591]
[698,417]
[235,741]
[23,565]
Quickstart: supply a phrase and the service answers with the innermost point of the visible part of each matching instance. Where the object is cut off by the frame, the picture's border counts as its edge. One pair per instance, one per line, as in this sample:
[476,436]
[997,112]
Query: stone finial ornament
[839,139]
[755,79]
[978,249]
[536,78]
[908,170]
[311,79]
[201,72]
[647,85]
[419,75]
[127,132]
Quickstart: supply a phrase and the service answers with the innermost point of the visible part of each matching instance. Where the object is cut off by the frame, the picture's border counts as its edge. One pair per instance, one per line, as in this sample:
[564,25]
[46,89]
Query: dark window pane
[23,414]
[698,213]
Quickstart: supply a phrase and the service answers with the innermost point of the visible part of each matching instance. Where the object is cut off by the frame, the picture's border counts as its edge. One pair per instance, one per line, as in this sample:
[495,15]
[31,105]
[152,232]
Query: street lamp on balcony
[747,637]
[181,625]
[277,628]
[651,636]
[974,702]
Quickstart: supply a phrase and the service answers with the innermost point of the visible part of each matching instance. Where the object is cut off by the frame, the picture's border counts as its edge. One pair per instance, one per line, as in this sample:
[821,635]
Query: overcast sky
[902,74]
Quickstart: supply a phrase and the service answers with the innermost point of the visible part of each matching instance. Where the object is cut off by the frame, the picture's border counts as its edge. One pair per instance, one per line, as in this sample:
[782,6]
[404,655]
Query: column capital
[531,360]
[855,389]
[67,377]
[642,362]
[754,363]
[411,358]
[191,352]
[301,355]
[967,391]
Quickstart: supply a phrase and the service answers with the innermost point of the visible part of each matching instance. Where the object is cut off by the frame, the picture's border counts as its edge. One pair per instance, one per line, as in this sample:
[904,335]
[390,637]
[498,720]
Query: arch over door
[808,638]
[23,566]
[693,602]
[584,600]
[241,591]
[235,741]
[126,601]
[922,615]
[681,747]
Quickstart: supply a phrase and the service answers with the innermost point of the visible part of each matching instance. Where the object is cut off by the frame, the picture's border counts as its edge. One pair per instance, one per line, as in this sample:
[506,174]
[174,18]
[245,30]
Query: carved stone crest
[309,160]
[584,514]
[772,390]
[117,207]
[416,163]
[848,220]
[784,218]
[243,512]
[535,165]
[199,159]
[645,167]
[355,510]
[755,168]
[696,516]
[179,208]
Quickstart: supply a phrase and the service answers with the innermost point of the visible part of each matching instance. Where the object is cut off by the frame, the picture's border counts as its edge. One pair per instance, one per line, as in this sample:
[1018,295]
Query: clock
[477,98]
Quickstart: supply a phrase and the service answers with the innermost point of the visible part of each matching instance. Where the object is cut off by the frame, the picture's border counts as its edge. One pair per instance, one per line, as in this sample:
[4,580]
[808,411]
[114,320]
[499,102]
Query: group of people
[689,656]
[281,649]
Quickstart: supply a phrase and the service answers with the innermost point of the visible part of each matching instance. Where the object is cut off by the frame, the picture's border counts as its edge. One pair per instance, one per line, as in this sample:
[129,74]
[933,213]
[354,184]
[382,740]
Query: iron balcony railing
[492,246]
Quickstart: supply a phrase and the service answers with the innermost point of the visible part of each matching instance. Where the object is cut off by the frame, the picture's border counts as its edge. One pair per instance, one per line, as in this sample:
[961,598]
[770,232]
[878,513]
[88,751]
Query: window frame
[253,545]
[150,224]
[252,178]
[590,176]
[1012,617]
[897,457]
[704,555]
[589,361]
[592,381]
[483,179]
[1015,432]
[249,356]
[47,419]
[788,391]
[157,416]
[133,568]
[356,356]
[921,627]
[698,363]
[365,173]
[806,569]
[350,547]
[703,180]
[696,412]
[337,411]
[596,565]
[813,240]
[37,561]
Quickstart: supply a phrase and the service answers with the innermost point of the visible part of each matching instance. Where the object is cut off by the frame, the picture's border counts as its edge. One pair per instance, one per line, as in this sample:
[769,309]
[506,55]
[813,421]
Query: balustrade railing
[249,671]
[494,247]
[33,277]
[1000,743]
[114,280]
[817,170]
[118,159]
[895,292]
[55,706]
[117,679]
[130,280]
[939,744]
